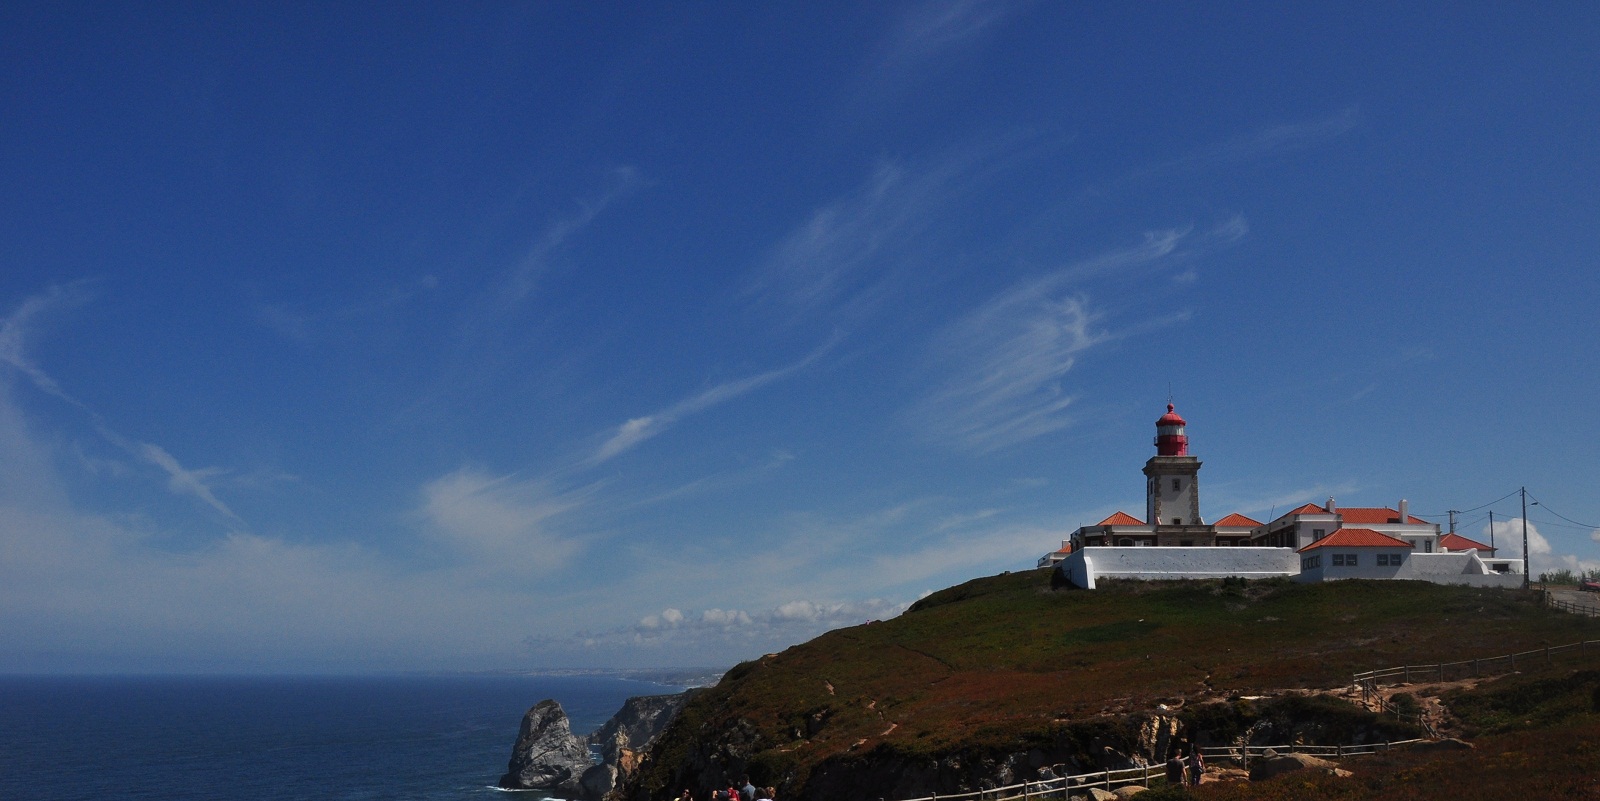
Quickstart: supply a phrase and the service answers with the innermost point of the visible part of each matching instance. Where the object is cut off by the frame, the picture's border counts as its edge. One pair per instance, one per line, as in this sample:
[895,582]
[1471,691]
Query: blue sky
[534,335]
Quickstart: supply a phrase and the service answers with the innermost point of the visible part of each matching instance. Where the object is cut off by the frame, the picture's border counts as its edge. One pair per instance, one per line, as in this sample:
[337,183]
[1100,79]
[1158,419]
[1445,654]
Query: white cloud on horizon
[1542,558]
[771,628]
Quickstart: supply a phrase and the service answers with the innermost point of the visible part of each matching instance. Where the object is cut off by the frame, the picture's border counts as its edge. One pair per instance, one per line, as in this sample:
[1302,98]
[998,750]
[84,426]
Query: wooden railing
[1064,786]
[1469,668]
[1059,787]
[1243,755]
[1568,606]
[1369,681]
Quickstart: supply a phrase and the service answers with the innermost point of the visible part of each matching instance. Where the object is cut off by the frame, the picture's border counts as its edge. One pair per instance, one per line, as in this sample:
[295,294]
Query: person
[1175,769]
[686,795]
[1197,767]
[748,791]
[766,793]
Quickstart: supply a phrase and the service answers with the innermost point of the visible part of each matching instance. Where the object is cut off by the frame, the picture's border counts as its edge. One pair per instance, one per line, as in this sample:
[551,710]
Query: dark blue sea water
[175,738]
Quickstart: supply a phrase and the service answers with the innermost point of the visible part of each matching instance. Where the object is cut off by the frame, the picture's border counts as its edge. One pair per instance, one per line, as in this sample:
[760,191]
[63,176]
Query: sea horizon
[422,736]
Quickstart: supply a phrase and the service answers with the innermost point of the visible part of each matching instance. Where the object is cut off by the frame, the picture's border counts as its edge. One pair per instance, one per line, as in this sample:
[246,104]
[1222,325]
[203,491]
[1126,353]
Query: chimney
[1331,508]
[1403,516]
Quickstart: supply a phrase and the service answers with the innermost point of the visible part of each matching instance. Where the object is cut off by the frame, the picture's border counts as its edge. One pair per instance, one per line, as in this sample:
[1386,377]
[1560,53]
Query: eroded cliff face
[623,739]
[703,752]
[699,755]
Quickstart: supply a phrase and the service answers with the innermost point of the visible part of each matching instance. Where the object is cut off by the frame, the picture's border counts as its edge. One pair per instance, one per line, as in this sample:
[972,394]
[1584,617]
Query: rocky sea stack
[548,756]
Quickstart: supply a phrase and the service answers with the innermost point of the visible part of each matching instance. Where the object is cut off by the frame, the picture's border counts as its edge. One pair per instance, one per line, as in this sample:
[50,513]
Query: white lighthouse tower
[1172,494]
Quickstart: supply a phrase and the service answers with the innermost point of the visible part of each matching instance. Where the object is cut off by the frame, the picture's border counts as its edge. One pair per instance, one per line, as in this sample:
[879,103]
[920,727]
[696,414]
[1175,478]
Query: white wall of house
[1084,567]
[1438,568]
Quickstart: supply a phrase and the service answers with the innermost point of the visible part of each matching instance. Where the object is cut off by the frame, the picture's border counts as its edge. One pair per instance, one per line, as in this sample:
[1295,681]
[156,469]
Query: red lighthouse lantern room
[1170,439]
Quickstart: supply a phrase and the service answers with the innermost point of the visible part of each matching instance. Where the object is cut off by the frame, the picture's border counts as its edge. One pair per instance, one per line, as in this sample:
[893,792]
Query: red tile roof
[1121,519]
[1368,515]
[1357,538]
[1308,509]
[1236,519]
[1456,542]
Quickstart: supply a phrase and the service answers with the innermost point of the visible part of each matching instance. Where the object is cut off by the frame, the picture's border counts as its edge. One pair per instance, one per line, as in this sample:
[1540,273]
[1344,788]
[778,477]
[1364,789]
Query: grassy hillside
[1005,660]
[1537,735]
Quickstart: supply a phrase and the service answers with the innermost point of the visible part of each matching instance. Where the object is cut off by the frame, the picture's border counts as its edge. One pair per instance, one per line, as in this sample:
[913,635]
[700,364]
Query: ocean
[401,738]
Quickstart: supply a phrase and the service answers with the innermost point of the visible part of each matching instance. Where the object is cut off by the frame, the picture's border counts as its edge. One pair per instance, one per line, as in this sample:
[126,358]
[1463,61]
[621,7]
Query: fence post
[1474,668]
[1408,674]
[1338,751]
[1513,661]
[1441,672]
[1547,654]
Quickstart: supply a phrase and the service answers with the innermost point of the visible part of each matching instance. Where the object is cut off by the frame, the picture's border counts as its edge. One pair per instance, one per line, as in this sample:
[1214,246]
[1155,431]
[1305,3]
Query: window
[1318,533]
[1388,560]
[1177,521]
[1428,546]
[1176,485]
[1186,543]
[1344,560]
[1125,542]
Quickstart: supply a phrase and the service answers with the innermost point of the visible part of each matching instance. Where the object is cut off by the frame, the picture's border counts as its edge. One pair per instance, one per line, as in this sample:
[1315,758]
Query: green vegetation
[1006,663]
[1565,576]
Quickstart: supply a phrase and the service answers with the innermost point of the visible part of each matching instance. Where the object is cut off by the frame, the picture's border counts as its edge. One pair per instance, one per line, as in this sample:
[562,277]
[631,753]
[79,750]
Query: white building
[1310,542]
[1350,553]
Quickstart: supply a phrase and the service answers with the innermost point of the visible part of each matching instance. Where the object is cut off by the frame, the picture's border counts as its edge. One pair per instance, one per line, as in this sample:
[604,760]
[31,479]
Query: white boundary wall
[1086,565]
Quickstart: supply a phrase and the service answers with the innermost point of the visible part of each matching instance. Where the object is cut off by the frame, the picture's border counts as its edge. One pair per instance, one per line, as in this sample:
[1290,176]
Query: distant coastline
[686,678]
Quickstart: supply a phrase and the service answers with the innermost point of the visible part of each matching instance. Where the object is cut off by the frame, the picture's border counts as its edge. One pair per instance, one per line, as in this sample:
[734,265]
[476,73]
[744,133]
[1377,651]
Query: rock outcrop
[1279,764]
[623,740]
[547,756]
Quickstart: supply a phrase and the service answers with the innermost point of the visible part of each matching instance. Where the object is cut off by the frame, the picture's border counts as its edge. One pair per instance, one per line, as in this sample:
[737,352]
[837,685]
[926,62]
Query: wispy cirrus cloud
[14,333]
[849,254]
[501,520]
[929,29]
[1263,142]
[635,431]
[522,277]
[1009,355]
[21,324]
[302,324]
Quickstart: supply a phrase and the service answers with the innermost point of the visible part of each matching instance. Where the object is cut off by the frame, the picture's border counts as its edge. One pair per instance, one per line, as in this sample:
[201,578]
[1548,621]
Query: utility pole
[1525,577]
[1452,514]
[1491,529]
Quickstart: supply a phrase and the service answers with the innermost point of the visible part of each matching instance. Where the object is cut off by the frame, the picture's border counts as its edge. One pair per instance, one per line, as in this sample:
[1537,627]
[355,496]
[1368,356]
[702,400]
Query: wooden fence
[1470,668]
[1062,787]
[1568,606]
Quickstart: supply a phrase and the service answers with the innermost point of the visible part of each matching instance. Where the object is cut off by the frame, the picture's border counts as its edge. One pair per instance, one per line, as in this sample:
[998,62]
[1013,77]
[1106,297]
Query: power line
[1564,517]
[1475,508]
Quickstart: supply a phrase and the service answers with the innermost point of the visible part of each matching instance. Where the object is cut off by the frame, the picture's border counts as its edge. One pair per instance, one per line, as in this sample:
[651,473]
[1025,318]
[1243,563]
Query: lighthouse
[1170,437]
[1172,494]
